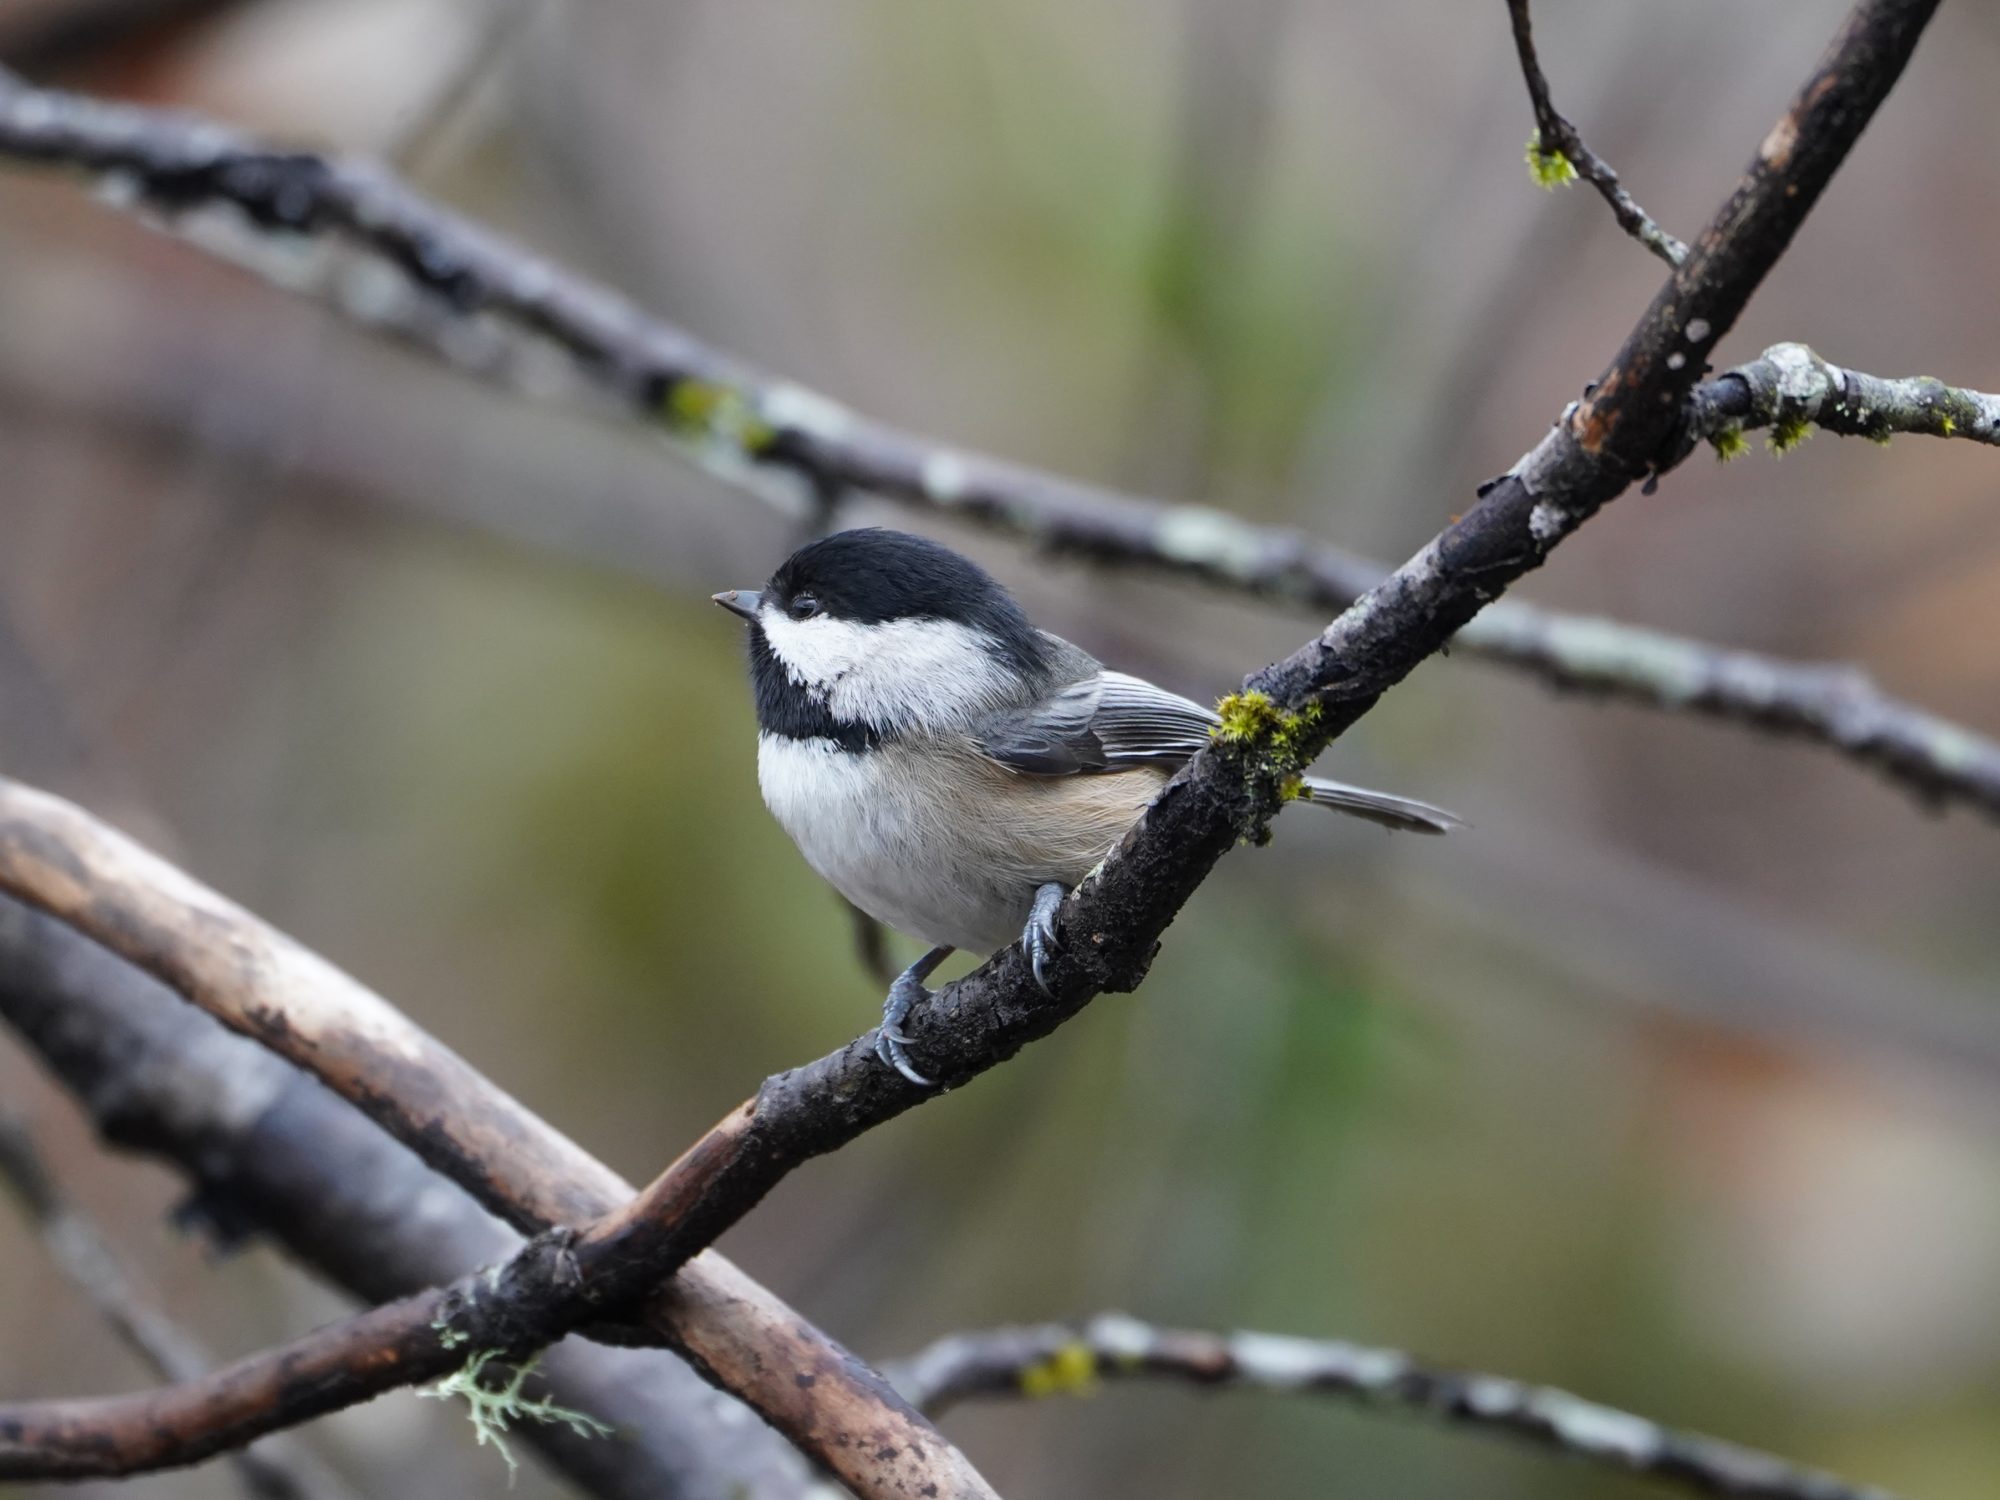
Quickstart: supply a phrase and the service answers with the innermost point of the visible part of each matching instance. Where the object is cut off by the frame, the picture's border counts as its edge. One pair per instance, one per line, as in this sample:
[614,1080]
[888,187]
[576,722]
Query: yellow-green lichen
[1069,1371]
[1787,432]
[1548,166]
[1253,719]
[705,409]
[1279,742]
[1946,427]
[1729,443]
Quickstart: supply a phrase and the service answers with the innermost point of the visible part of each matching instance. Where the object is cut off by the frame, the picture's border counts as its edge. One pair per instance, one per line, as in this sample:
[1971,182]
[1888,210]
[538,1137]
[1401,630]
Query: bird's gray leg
[1038,938]
[890,1043]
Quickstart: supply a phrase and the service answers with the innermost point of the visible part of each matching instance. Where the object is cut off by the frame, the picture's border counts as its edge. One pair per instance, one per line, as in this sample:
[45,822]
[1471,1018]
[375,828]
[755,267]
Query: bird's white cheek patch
[893,674]
[815,653]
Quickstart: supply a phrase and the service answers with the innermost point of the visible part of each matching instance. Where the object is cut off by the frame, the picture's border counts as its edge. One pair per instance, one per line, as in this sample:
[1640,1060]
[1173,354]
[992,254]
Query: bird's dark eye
[802,607]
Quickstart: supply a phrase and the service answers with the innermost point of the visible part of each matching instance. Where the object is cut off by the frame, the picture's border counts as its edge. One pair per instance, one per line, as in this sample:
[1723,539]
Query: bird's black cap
[871,575]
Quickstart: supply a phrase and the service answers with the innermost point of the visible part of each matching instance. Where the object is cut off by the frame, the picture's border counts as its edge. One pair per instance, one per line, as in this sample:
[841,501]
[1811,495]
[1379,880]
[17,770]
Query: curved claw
[893,1048]
[891,1045]
[1038,938]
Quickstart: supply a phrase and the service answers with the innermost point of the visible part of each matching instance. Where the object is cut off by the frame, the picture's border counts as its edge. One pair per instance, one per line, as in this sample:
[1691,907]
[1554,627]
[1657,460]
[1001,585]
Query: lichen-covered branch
[1059,1359]
[1830,704]
[276,1469]
[1789,389]
[1558,146]
[455,286]
[255,980]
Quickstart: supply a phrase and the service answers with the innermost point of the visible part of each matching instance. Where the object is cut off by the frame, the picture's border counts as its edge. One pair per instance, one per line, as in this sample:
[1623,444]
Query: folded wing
[1109,721]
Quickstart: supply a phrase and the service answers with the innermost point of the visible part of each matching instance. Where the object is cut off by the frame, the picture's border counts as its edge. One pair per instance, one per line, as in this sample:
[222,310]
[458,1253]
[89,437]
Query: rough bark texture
[260,983]
[266,1150]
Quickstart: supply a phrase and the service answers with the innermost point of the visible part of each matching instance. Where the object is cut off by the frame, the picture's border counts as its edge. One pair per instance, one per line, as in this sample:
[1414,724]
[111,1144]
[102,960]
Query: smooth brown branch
[1062,1359]
[276,1469]
[268,1150]
[454,281]
[57,859]
[1557,139]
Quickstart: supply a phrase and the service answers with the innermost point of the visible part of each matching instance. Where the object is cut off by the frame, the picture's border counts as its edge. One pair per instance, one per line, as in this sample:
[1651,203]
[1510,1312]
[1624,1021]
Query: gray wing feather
[1108,721]
[1103,722]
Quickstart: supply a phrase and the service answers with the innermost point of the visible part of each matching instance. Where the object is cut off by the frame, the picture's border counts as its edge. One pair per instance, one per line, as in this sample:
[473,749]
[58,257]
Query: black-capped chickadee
[949,768]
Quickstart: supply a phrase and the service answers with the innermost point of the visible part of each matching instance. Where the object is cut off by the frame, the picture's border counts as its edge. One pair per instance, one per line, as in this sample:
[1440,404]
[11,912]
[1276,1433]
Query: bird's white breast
[880,827]
[940,843]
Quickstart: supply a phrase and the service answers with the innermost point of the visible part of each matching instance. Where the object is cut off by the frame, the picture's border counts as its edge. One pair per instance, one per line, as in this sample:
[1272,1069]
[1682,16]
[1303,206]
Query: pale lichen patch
[1196,534]
[1546,522]
[945,477]
[1276,1361]
[792,407]
[1596,1429]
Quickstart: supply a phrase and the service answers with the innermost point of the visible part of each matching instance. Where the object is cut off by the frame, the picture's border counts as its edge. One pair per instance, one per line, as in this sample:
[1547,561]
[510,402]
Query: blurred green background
[1671,1081]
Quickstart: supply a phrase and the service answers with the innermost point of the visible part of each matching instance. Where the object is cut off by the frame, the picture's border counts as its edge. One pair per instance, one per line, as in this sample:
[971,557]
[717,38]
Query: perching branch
[258,982]
[1059,1359]
[1112,923]
[1558,143]
[53,856]
[456,283]
[269,1151]
[276,1469]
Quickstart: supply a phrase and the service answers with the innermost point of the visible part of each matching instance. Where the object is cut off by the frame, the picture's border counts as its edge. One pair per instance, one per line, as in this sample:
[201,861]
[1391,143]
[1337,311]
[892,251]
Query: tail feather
[1401,813]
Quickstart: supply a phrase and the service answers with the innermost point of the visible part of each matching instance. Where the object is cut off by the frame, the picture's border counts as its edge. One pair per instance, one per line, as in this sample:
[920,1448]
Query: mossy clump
[1279,744]
[1729,443]
[1548,166]
[1252,718]
[1945,425]
[1070,1371]
[705,409]
[1787,432]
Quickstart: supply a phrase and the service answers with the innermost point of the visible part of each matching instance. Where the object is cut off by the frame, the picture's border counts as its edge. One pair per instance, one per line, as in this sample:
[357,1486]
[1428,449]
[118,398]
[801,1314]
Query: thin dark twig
[276,1468]
[1555,134]
[1055,1359]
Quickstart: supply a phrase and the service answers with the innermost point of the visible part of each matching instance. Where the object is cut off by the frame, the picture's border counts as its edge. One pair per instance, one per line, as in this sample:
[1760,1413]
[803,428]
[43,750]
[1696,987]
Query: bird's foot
[891,1045]
[1038,938]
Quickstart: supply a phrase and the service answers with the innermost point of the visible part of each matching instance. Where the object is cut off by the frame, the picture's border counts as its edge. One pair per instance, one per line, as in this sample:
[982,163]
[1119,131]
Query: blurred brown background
[1672,1081]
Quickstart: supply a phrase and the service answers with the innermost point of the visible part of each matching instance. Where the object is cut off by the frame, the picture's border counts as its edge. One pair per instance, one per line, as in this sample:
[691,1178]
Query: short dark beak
[742,602]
